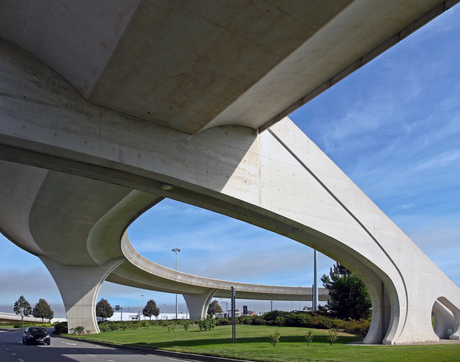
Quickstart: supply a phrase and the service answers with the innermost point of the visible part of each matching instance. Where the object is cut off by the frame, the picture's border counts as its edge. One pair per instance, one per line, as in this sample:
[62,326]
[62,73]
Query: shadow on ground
[249,340]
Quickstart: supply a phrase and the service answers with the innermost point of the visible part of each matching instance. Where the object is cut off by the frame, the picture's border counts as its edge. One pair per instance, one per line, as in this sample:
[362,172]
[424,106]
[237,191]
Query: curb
[158,352]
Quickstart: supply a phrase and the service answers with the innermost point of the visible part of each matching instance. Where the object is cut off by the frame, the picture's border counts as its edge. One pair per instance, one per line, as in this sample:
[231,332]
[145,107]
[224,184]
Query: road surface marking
[70,344]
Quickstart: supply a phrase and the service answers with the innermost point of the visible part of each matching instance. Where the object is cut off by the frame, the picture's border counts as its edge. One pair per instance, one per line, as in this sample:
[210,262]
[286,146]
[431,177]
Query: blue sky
[393,127]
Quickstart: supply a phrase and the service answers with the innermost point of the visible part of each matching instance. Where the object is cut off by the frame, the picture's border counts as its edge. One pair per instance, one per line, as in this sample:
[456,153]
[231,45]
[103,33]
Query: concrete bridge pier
[450,317]
[443,319]
[198,304]
[79,286]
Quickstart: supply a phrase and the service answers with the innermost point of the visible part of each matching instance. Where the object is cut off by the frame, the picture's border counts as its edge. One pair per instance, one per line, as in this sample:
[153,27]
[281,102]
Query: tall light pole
[142,307]
[226,306]
[315,282]
[176,250]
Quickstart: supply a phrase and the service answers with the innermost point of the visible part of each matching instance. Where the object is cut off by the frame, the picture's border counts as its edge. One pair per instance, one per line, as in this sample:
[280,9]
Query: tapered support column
[79,287]
[197,304]
[443,320]
[456,317]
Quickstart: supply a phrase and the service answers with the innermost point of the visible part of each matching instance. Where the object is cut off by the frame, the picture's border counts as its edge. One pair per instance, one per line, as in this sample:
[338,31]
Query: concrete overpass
[108,107]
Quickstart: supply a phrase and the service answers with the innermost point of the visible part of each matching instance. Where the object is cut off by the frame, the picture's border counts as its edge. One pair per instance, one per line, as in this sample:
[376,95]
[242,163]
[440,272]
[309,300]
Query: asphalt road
[12,350]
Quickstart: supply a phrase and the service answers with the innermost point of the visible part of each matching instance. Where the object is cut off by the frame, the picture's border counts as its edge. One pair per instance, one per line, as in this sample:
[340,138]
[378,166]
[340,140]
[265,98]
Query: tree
[349,297]
[274,338]
[22,307]
[43,310]
[151,309]
[214,308]
[103,309]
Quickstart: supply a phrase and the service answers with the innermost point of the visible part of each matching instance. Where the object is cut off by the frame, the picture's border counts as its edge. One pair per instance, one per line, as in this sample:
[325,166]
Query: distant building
[130,316]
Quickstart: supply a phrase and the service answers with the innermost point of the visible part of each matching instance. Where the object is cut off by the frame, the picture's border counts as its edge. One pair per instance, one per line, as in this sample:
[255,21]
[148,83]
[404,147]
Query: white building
[133,316]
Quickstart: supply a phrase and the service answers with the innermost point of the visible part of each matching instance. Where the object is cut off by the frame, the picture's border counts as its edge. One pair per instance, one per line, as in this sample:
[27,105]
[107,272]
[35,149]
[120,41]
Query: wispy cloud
[444,159]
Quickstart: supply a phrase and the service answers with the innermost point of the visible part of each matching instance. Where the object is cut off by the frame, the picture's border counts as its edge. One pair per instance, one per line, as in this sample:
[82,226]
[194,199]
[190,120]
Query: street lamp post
[226,307]
[315,281]
[142,307]
[176,250]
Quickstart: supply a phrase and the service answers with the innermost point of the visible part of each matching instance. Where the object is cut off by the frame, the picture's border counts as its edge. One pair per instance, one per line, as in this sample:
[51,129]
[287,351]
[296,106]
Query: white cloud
[444,159]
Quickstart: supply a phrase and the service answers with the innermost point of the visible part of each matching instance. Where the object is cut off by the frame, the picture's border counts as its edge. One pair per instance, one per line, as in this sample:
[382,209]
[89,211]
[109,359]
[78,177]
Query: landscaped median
[253,344]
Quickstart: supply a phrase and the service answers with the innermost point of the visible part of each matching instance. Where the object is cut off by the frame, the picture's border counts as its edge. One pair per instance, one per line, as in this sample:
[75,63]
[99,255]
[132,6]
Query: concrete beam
[193,65]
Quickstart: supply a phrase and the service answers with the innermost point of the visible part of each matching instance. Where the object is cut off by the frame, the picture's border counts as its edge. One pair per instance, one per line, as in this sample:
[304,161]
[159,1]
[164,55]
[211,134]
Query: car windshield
[37,330]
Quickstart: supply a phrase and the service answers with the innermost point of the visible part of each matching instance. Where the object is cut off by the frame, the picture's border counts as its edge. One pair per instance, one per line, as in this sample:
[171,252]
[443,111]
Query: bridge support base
[197,304]
[79,287]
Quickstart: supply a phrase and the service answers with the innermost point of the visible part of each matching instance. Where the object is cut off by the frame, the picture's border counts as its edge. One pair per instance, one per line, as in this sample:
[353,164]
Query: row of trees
[41,310]
[105,310]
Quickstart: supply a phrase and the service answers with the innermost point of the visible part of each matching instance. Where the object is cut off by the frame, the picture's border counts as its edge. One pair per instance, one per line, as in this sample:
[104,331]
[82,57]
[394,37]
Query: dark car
[36,335]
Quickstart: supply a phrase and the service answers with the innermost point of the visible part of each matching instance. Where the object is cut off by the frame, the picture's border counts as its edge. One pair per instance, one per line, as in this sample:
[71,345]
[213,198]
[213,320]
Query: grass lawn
[6,325]
[252,344]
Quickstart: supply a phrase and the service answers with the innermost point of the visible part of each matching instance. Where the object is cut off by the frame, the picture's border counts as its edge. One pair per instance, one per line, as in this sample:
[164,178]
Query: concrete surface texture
[104,104]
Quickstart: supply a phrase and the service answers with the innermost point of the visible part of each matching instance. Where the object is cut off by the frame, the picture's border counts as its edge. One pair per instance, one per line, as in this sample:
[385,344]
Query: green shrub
[60,328]
[309,337]
[332,336]
[360,327]
[223,321]
[207,324]
[114,326]
[258,321]
[274,338]
[279,321]
[186,324]
[312,320]
[78,330]
[296,320]
[270,317]
[104,327]
[245,319]
[171,327]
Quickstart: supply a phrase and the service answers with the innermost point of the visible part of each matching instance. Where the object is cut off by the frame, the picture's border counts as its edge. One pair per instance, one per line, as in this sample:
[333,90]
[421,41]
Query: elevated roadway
[108,107]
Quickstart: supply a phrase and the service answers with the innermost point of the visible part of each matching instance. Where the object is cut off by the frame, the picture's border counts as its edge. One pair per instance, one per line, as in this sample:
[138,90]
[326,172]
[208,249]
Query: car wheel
[48,343]
[27,342]
[23,342]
